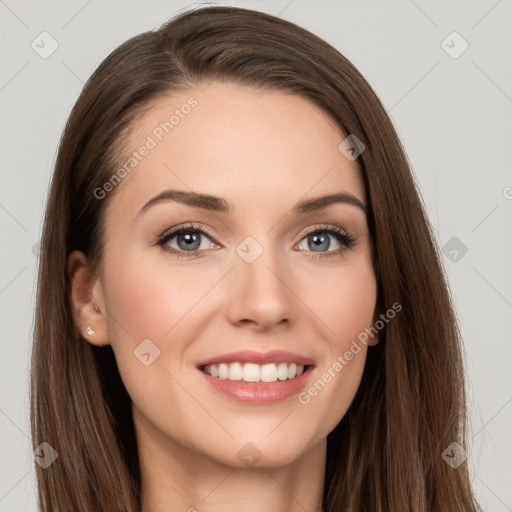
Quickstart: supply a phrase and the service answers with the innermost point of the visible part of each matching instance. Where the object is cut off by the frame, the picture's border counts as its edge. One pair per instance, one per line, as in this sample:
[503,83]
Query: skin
[262,152]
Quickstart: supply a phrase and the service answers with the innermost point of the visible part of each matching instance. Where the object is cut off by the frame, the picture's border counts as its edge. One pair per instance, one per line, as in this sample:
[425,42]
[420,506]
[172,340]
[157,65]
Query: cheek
[343,299]
[149,313]
[147,302]
[354,308]
[346,307]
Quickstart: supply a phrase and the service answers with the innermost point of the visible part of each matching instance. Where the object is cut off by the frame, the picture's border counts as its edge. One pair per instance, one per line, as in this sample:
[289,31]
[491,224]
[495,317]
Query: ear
[87,300]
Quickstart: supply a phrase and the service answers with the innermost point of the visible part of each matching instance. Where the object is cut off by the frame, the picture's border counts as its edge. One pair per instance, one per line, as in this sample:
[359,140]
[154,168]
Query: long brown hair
[385,454]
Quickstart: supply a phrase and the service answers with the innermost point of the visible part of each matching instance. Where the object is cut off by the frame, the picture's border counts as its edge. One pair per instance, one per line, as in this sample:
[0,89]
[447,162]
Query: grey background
[454,118]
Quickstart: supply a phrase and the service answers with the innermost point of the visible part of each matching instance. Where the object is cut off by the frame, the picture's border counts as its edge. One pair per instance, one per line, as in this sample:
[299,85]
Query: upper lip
[251,356]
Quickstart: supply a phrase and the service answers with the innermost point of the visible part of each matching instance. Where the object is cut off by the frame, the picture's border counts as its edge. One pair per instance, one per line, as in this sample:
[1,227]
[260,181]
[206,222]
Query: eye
[326,241]
[185,239]
[192,242]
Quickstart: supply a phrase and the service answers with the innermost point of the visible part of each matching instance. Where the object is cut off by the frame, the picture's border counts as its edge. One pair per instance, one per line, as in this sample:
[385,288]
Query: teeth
[223,371]
[235,371]
[251,372]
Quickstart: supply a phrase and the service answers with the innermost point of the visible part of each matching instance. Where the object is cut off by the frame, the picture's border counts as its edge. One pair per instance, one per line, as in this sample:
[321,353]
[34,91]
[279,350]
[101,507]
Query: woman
[240,301]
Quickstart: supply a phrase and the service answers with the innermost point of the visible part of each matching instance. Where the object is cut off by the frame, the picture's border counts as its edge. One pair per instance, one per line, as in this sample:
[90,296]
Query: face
[237,328]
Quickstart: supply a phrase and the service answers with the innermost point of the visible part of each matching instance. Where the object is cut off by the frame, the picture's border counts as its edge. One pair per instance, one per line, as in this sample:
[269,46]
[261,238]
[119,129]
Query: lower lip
[259,392]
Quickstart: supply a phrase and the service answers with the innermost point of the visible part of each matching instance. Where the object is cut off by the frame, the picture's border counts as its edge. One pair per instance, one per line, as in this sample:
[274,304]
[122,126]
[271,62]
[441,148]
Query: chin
[261,450]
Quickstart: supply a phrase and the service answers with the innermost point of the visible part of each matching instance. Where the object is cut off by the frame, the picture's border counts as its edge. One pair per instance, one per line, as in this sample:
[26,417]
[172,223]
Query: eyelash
[346,240]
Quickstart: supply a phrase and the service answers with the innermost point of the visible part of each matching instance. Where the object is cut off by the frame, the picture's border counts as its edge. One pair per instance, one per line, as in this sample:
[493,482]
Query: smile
[252,372]
[256,377]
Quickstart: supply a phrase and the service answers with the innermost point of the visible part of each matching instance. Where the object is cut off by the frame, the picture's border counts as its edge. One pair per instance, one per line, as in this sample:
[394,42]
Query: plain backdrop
[451,105]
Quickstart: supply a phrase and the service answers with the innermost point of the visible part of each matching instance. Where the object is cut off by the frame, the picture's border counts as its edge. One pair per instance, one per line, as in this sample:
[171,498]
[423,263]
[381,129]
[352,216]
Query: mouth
[252,372]
[255,377]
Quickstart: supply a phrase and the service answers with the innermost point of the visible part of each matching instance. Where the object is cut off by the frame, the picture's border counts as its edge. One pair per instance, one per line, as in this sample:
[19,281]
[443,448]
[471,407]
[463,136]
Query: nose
[259,293]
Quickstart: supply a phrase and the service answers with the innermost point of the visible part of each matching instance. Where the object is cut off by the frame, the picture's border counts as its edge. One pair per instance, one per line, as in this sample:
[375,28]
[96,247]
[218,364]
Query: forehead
[235,142]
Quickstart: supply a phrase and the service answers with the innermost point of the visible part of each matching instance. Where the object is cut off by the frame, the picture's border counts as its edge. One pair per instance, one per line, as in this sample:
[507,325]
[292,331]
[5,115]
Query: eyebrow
[220,205]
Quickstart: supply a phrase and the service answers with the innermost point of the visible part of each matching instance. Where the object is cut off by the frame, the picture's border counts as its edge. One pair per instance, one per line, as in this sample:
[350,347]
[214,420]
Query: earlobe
[373,340]
[87,300]
[375,334]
